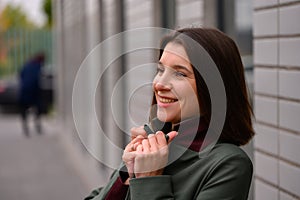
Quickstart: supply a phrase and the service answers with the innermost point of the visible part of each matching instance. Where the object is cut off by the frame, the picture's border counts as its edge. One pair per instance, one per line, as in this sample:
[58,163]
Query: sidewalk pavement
[35,168]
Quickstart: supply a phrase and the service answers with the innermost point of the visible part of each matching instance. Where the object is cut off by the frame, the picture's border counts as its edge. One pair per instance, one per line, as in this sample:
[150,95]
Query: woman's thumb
[170,136]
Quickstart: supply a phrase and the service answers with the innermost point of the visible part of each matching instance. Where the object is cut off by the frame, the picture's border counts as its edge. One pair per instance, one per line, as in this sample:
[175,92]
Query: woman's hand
[130,153]
[147,156]
[152,155]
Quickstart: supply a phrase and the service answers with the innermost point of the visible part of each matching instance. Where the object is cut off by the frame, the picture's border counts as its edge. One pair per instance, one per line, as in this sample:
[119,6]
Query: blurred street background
[70,157]
[37,167]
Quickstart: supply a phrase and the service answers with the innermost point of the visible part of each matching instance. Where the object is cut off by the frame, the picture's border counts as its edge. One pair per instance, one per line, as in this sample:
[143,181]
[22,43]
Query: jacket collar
[191,133]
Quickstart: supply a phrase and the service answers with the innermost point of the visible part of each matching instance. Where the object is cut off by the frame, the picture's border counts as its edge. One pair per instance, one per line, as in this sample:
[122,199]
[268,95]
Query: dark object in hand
[157,125]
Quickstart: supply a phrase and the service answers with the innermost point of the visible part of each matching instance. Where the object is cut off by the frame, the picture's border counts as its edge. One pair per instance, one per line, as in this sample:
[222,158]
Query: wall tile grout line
[287,68]
[275,36]
[279,5]
[276,186]
[280,158]
[281,98]
[279,128]
[278,105]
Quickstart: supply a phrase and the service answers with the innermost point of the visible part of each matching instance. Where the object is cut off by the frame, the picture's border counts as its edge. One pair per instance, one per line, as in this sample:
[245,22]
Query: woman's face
[175,86]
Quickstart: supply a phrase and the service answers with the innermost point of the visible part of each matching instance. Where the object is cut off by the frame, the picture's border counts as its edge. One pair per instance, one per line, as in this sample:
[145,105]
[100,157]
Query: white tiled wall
[289,49]
[287,1]
[264,162]
[266,110]
[264,191]
[264,3]
[266,51]
[277,99]
[288,26]
[289,178]
[266,81]
[289,115]
[285,196]
[288,79]
[265,22]
[289,147]
[266,139]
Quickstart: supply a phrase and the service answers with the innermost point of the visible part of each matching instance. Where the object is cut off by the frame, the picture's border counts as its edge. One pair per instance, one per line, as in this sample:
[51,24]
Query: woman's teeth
[163,100]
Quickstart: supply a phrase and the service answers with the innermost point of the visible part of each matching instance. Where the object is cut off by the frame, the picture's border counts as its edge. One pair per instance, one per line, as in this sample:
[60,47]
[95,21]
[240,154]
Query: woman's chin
[165,118]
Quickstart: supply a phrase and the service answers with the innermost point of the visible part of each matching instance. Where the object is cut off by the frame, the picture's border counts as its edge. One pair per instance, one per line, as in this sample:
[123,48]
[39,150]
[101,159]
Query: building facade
[277,105]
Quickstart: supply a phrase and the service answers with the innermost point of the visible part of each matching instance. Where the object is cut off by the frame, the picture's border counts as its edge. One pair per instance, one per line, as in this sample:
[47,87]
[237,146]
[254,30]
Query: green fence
[19,45]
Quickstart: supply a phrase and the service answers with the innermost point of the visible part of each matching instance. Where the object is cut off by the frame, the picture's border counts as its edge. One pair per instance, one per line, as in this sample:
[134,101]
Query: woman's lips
[164,101]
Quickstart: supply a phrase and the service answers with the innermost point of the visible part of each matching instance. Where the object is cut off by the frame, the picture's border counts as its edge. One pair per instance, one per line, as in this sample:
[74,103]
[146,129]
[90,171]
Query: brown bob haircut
[237,128]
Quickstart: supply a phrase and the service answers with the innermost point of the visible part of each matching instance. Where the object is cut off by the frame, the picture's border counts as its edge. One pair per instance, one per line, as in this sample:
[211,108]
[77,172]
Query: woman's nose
[159,85]
[162,81]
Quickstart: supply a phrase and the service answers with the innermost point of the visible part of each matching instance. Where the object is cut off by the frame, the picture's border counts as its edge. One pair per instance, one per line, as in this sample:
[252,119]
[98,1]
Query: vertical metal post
[168,13]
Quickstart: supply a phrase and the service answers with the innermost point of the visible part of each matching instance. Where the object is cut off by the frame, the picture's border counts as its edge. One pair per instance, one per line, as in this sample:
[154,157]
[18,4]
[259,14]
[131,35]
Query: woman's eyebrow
[177,67]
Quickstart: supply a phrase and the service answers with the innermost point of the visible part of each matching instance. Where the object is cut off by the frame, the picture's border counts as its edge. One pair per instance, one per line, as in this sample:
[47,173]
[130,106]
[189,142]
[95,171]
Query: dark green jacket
[224,173]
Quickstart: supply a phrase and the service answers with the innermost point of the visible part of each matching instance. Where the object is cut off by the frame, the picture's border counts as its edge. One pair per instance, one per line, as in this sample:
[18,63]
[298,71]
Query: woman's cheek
[153,85]
[192,105]
[154,82]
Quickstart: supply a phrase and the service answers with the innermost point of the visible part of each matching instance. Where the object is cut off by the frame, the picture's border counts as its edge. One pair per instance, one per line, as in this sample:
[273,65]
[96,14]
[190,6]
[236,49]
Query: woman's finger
[164,139]
[136,131]
[153,142]
[133,144]
[139,148]
[137,138]
[161,139]
[146,146]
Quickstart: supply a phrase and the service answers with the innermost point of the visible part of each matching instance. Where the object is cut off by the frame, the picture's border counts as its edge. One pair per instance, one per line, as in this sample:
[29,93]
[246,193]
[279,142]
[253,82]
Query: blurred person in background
[30,91]
[177,166]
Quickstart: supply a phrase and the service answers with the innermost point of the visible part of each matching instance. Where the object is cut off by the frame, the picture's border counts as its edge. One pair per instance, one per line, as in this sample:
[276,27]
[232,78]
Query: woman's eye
[159,70]
[180,74]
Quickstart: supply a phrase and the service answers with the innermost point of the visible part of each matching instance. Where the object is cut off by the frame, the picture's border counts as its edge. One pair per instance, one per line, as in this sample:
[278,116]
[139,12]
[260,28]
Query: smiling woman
[191,164]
